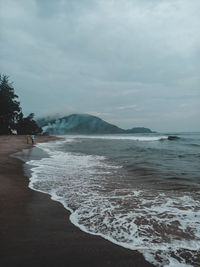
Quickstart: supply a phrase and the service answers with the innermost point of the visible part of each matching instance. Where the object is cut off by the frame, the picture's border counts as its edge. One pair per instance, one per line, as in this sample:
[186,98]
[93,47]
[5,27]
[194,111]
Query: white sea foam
[163,227]
[121,137]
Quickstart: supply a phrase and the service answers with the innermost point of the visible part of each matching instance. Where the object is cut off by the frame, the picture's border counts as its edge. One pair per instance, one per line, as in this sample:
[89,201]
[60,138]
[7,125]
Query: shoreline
[36,230]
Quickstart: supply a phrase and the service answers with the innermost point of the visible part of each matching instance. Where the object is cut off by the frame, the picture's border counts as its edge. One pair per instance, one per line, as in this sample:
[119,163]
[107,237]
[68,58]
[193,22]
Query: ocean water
[141,192]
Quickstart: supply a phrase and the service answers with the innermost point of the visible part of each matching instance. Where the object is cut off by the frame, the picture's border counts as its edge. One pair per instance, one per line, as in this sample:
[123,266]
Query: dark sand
[36,231]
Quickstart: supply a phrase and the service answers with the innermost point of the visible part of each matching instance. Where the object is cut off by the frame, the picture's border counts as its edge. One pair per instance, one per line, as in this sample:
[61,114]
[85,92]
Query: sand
[36,231]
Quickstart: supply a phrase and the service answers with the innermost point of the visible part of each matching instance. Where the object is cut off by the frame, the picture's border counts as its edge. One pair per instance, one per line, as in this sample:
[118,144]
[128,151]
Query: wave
[194,145]
[121,137]
[102,202]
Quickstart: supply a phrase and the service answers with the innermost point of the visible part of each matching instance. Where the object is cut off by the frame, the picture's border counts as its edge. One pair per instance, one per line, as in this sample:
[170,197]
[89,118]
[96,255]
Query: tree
[27,125]
[9,106]
[11,116]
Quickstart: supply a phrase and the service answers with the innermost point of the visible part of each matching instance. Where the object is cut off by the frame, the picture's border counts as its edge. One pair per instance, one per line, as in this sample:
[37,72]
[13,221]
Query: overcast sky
[130,62]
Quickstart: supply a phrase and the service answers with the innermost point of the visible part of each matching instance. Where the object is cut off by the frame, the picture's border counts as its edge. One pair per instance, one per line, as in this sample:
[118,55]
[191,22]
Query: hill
[86,124]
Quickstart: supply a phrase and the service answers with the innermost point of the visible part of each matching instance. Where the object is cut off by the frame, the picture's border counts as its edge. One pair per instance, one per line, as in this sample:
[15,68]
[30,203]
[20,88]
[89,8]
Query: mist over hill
[84,124]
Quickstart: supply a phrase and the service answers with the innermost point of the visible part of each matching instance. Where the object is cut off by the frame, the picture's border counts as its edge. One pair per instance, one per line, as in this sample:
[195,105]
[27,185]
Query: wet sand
[36,231]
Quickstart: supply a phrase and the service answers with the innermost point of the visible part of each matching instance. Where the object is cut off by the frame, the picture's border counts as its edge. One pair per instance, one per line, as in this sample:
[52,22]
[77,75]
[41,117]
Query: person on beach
[32,139]
[27,139]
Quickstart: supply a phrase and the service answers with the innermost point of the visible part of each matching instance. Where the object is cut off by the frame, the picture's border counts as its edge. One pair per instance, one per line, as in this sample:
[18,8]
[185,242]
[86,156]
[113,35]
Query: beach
[36,231]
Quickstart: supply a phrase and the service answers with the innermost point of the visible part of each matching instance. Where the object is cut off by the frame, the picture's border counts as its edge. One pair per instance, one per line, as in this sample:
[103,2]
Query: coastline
[36,231]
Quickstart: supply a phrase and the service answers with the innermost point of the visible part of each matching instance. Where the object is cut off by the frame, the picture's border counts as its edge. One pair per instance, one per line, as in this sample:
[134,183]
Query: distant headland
[84,124]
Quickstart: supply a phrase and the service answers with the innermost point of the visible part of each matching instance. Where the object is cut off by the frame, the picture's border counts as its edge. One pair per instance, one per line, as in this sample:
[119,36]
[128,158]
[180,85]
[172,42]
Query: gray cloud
[132,62]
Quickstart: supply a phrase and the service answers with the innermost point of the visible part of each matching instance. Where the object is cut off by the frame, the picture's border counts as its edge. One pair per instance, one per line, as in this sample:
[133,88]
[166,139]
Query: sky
[130,62]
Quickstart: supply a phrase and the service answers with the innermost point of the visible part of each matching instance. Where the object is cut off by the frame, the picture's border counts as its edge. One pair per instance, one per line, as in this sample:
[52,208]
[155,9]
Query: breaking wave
[122,137]
[164,226]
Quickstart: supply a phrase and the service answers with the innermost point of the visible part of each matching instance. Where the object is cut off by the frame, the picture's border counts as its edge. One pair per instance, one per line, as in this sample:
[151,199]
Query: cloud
[104,56]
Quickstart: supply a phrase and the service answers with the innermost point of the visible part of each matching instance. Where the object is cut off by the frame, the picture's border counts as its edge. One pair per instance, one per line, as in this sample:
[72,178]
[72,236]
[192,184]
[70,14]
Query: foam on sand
[164,227]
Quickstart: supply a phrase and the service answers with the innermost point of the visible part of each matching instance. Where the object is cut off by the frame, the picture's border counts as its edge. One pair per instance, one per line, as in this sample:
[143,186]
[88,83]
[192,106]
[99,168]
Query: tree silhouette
[9,106]
[11,116]
[27,125]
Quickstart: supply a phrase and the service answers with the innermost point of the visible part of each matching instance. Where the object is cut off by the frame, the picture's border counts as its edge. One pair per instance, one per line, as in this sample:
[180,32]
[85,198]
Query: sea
[139,191]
